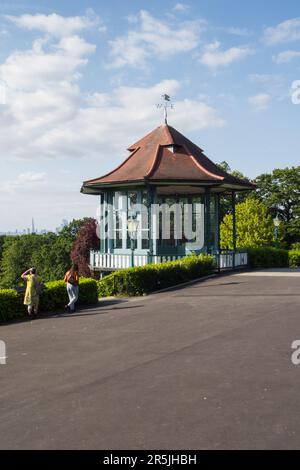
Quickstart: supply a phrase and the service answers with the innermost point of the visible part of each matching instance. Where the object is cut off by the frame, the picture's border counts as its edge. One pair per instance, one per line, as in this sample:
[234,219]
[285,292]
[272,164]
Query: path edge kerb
[200,279]
[183,284]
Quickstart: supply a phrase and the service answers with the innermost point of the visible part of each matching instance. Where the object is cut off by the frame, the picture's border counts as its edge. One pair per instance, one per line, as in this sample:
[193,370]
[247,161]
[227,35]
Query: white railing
[112,261]
[226,260]
[116,261]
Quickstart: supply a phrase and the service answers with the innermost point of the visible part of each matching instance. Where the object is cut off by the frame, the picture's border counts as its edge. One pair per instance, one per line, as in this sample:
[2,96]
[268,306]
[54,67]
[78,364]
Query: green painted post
[233,227]
[218,233]
[207,219]
[132,252]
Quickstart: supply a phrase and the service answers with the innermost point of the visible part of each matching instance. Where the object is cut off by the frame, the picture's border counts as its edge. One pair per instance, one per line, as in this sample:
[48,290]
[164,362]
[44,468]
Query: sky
[80,80]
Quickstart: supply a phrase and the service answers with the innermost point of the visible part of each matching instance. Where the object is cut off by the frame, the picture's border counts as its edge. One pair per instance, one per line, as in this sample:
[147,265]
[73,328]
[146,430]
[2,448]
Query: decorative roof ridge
[209,173]
[118,167]
[172,129]
[166,129]
[137,143]
[153,162]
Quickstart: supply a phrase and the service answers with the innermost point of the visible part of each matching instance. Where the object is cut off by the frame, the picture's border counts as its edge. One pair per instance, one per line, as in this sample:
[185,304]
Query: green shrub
[53,297]
[294,258]
[268,257]
[295,246]
[152,277]
[88,292]
[11,304]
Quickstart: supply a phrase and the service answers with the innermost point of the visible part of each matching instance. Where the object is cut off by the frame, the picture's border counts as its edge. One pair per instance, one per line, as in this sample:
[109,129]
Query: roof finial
[165,105]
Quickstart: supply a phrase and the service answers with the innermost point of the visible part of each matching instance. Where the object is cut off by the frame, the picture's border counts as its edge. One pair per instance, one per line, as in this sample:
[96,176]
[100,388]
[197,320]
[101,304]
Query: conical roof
[165,155]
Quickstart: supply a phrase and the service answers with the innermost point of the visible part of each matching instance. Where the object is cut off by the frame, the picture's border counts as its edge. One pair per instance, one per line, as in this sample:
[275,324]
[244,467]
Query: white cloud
[286,56]
[47,115]
[23,181]
[287,31]
[181,7]
[152,38]
[54,24]
[260,101]
[214,57]
[60,121]
[36,68]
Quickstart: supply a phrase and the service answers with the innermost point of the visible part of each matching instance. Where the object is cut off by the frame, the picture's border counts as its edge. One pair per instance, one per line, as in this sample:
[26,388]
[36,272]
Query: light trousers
[73,295]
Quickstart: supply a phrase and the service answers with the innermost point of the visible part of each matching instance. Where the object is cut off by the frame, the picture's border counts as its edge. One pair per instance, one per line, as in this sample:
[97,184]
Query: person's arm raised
[23,276]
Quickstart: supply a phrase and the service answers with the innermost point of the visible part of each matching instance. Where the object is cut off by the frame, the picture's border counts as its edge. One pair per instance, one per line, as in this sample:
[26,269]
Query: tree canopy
[254,226]
[280,192]
[50,253]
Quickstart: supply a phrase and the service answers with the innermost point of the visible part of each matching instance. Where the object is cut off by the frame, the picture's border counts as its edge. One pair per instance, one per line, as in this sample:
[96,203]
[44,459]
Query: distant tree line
[52,254]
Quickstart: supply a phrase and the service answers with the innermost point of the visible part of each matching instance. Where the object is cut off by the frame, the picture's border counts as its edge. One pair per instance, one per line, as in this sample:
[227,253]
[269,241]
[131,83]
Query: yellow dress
[31,294]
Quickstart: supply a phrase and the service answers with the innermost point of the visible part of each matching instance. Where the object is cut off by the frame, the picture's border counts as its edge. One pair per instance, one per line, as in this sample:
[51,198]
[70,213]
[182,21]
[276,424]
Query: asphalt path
[207,366]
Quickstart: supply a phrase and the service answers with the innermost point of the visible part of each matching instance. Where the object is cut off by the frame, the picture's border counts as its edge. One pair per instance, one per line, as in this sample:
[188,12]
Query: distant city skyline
[33,229]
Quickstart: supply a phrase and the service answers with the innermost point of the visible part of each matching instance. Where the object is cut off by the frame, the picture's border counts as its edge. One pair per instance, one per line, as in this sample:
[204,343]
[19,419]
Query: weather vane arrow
[165,105]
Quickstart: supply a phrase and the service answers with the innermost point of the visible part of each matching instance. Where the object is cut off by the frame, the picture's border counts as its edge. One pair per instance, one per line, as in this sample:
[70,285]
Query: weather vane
[166,104]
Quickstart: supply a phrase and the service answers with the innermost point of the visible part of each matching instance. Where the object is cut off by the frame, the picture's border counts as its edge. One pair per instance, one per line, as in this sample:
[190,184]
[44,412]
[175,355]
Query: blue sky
[79,82]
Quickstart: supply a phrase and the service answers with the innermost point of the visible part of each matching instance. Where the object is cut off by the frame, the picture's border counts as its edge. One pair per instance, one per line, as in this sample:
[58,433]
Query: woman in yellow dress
[31,298]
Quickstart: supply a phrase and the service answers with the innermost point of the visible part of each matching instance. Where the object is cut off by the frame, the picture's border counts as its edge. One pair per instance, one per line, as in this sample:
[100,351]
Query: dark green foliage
[280,192]
[268,257]
[225,199]
[88,292]
[152,277]
[294,258]
[71,230]
[50,253]
[52,259]
[54,297]
[11,304]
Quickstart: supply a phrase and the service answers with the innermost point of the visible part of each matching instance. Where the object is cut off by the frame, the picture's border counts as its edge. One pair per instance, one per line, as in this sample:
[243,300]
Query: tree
[50,253]
[17,256]
[280,192]
[87,239]
[254,226]
[71,230]
[53,258]
[225,200]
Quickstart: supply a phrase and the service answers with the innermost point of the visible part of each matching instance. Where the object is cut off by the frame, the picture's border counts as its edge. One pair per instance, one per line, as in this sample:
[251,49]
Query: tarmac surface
[206,366]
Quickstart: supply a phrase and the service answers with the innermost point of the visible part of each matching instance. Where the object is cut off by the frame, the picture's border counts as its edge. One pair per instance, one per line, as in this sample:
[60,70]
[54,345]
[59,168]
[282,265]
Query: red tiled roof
[165,154]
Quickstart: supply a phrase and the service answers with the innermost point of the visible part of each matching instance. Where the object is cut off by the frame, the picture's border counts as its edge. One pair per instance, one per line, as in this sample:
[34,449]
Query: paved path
[205,367]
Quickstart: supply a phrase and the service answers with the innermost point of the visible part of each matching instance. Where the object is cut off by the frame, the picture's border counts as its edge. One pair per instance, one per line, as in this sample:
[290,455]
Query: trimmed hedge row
[53,297]
[269,257]
[145,279]
[294,258]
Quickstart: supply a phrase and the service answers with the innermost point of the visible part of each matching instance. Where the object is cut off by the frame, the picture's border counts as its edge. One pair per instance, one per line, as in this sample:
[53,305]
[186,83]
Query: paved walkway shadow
[104,306]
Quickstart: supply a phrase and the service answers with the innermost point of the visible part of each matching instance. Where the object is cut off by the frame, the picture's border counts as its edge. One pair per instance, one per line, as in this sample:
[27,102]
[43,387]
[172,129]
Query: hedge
[294,258]
[269,257]
[53,297]
[145,279]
